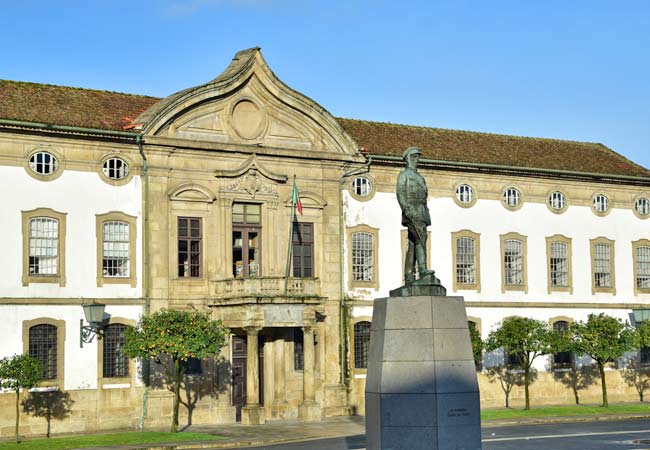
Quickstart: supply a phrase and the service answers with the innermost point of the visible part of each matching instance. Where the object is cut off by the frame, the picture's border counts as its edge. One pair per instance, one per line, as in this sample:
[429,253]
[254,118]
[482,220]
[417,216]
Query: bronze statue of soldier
[412,195]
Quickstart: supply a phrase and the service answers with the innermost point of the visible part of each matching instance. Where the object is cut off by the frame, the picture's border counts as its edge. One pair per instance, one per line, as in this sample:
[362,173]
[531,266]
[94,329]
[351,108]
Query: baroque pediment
[247,105]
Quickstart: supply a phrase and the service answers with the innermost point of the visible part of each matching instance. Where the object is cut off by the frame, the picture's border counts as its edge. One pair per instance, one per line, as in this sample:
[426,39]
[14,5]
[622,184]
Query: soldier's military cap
[411,151]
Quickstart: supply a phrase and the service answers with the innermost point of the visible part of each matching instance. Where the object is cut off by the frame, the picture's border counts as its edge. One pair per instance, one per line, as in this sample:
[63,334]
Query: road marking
[556,436]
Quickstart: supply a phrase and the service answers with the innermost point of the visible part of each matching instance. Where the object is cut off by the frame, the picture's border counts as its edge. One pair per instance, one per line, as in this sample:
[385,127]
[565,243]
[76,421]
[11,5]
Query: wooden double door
[239,355]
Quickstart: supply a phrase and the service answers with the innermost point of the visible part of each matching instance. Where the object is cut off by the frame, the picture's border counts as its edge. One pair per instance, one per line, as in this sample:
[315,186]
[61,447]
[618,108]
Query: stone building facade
[537,227]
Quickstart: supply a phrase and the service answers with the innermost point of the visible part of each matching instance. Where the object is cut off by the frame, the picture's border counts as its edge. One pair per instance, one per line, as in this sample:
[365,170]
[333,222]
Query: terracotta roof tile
[474,147]
[87,108]
[61,105]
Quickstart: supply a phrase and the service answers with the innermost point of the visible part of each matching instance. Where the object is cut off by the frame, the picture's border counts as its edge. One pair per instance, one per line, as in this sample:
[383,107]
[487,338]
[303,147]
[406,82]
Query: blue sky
[576,70]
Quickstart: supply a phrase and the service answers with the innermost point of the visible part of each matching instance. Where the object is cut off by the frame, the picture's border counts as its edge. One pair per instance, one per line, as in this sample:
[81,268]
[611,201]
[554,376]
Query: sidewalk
[291,431]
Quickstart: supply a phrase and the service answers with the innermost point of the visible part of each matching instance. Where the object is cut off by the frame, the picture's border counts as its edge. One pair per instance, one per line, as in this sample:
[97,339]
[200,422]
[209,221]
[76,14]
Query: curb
[566,419]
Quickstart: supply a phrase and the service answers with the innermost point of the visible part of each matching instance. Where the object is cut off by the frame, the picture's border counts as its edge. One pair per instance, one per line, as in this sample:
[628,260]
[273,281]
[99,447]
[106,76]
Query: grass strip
[100,440]
[568,410]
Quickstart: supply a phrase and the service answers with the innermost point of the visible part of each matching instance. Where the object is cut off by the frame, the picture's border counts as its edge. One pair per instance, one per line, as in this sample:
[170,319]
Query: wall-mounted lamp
[94,313]
[641,315]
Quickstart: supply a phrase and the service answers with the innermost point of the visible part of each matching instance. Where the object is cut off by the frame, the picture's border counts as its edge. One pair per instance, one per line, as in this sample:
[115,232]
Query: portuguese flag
[295,198]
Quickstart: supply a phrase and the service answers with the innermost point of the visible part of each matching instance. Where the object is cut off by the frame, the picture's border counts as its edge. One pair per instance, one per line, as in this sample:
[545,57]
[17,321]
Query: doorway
[239,354]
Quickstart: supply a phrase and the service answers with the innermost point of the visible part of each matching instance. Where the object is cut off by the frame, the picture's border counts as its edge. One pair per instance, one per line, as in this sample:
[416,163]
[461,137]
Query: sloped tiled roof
[87,108]
[486,148]
[62,105]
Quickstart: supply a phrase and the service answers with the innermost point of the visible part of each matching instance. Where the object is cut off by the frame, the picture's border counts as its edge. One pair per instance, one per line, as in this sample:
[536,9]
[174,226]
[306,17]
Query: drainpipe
[342,323]
[146,270]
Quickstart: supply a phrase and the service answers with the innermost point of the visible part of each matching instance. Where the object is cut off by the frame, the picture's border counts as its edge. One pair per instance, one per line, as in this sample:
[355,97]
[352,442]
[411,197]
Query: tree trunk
[177,397]
[641,396]
[601,369]
[575,395]
[526,380]
[17,413]
[507,399]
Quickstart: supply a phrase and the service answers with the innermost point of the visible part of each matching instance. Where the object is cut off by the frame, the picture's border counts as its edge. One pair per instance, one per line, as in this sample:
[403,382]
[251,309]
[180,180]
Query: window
[43,347]
[362,256]
[641,253]
[557,201]
[303,249]
[115,168]
[558,255]
[116,245]
[43,246]
[115,361]
[246,240]
[361,344]
[644,356]
[513,251]
[192,366]
[43,163]
[512,198]
[361,186]
[514,360]
[465,195]
[466,260]
[600,204]
[602,265]
[562,359]
[189,247]
[298,349]
[642,207]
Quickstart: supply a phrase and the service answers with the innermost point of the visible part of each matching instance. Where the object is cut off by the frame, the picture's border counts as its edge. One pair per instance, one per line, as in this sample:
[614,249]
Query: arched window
[562,359]
[43,347]
[361,344]
[116,363]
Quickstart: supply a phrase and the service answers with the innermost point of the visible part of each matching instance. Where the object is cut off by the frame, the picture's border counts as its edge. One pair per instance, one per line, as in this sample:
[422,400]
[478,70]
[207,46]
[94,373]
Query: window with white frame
[362,186]
[511,197]
[43,246]
[602,265]
[363,257]
[513,262]
[116,242]
[115,168]
[642,254]
[557,200]
[43,163]
[465,260]
[559,264]
[600,203]
[464,193]
[642,206]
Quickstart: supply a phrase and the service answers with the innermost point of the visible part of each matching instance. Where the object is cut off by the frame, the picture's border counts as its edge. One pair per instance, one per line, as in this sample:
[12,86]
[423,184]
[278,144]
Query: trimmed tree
[637,371]
[171,337]
[604,339]
[19,372]
[528,338]
[477,345]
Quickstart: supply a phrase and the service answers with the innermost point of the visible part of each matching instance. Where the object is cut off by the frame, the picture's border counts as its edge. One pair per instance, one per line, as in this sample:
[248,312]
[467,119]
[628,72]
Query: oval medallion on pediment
[248,120]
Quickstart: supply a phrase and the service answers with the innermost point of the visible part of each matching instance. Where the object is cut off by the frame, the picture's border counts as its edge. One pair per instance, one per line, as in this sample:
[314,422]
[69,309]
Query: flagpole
[289,245]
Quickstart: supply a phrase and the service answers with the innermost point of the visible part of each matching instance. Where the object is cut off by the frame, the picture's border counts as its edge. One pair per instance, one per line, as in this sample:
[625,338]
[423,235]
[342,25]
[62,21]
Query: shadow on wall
[576,377]
[206,378]
[50,405]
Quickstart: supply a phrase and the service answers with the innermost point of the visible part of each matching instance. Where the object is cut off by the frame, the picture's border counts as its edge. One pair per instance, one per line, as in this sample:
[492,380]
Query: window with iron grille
[643,267]
[115,168]
[602,265]
[562,359]
[557,200]
[511,197]
[303,249]
[298,349]
[362,186]
[464,193]
[43,246]
[513,260]
[361,344]
[115,258]
[465,260]
[363,257]
[559,262]
[189,247]
[43,163]
[43,347]
[116,363]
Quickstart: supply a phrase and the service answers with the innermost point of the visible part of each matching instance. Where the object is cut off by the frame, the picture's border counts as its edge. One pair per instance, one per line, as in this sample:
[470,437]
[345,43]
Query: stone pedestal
[252,414]
[421,386]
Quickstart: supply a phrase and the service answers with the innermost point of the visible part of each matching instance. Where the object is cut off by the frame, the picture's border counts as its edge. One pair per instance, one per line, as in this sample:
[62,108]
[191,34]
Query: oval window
[557,200]
[511,197]
[362,186]
[601,203]
[642,206]
[465,193]
[43,163]
[115,168]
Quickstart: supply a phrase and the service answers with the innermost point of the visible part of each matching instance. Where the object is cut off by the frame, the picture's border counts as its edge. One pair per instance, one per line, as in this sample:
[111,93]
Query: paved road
[614,435]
